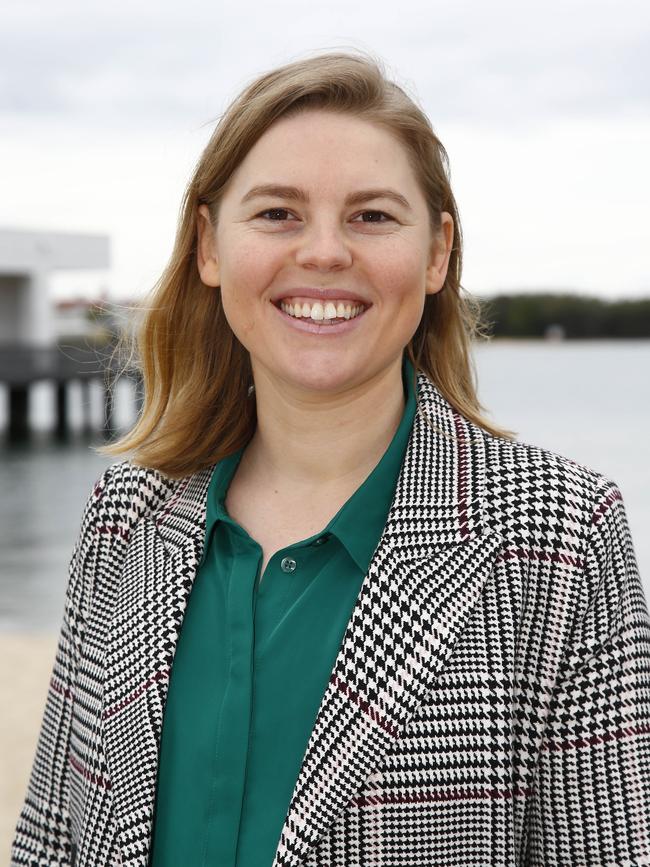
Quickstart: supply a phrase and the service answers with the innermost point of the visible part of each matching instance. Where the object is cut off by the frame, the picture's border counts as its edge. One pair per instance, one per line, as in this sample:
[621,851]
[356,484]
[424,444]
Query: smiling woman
[322,251]
[328,162]
[325,613]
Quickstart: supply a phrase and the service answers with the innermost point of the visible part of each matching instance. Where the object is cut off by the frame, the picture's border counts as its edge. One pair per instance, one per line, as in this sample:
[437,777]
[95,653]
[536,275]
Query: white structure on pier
[27,259]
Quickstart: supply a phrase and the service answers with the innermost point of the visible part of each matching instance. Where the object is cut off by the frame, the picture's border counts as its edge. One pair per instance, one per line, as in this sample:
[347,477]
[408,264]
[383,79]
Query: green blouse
[251,667]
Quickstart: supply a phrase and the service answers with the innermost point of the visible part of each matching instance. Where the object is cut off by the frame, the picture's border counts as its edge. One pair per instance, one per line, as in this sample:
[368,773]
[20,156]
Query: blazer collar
[432,560]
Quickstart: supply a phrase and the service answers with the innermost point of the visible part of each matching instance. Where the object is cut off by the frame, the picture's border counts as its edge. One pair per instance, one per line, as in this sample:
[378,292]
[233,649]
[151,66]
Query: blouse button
[320,541]
[287,564]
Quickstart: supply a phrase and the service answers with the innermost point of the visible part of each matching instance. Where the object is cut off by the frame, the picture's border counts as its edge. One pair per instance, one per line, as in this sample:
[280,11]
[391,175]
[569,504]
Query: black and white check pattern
[489,703]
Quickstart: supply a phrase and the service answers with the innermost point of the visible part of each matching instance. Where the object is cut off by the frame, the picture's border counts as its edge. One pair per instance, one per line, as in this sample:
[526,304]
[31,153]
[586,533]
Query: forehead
[328,150]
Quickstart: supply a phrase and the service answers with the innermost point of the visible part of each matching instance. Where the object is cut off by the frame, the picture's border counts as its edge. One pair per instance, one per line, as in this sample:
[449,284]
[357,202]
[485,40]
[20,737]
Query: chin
[325,379]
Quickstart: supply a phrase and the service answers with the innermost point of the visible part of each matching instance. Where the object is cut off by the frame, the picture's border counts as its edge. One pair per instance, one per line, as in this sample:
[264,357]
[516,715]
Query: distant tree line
[565,316]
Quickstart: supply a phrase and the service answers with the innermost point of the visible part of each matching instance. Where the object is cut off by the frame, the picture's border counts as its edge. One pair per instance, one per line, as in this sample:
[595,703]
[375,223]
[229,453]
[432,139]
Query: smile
[321,312]
[317,322]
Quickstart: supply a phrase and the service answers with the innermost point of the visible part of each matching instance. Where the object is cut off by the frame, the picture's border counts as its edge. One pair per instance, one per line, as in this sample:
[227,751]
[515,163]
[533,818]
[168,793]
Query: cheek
[249,270]
[245,276]
[402,283]
[242,271]
[238,312]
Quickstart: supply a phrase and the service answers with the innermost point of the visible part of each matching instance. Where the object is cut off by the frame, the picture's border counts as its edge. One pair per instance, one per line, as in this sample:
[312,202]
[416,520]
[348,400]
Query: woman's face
[337,229]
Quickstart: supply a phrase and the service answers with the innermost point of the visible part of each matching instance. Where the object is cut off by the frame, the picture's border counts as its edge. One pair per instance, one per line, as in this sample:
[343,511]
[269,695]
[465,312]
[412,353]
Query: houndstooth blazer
[489,703]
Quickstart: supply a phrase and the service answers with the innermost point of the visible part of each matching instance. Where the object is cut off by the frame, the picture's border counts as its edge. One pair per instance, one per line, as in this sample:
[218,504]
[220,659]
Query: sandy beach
[25,668]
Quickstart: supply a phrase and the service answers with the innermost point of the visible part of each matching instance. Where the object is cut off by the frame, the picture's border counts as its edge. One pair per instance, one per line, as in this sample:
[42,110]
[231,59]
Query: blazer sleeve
[591,802]
[42,834]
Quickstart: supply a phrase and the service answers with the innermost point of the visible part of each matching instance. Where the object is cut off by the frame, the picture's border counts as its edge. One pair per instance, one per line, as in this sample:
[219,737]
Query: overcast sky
[544,109]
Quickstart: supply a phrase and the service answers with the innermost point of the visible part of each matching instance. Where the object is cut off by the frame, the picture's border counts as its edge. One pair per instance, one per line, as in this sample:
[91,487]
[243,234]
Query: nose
[323,246]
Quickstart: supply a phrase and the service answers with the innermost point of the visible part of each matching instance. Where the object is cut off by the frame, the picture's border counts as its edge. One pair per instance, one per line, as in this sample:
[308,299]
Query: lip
[319,295]
[309,326]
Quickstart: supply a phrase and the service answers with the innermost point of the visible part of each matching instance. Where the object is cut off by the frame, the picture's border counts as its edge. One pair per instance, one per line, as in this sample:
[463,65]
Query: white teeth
[318,312]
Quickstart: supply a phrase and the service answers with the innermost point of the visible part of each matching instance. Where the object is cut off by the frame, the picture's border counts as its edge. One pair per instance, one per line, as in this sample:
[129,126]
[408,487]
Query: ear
[206,257]
[440,253]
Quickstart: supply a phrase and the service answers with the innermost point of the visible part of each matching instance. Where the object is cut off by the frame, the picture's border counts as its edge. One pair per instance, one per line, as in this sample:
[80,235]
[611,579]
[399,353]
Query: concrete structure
[79,317]
[28,332]
[26,261]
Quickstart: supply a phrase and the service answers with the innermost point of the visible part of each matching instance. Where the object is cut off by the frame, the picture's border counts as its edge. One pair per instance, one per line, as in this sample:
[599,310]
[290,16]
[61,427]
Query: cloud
[542,108]
[160,65]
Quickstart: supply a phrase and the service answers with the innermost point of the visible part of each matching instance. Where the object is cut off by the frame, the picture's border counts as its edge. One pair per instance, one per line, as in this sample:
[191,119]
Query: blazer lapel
[428,569]
[155,583]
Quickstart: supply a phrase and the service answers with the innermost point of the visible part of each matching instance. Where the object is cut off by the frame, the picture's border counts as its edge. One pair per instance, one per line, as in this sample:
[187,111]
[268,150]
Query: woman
[326,613]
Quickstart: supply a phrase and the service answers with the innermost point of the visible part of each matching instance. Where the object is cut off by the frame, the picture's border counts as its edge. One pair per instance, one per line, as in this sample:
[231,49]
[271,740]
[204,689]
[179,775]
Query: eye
[376,214]
[274,211]
[280,211]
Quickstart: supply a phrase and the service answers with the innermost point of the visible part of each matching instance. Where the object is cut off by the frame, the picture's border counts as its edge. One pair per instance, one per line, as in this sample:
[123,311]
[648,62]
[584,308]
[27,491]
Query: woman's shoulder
[542,482]
[123,494]
[125,479]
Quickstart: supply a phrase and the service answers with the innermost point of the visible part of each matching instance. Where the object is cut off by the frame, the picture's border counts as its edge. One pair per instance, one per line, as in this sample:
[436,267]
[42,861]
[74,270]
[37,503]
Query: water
[589,401]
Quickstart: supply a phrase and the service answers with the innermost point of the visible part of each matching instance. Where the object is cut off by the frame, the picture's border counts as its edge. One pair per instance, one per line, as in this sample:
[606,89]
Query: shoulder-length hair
[196,375]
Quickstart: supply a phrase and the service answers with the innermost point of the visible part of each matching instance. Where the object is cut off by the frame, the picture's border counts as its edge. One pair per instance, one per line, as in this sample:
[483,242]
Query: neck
[304,442]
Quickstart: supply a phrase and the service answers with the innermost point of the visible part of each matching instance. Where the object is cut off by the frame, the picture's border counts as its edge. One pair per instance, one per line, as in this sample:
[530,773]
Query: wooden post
[18,412]
[61,430]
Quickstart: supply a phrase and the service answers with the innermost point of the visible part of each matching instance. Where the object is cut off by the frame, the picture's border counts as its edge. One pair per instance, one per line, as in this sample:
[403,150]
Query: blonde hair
[195,372]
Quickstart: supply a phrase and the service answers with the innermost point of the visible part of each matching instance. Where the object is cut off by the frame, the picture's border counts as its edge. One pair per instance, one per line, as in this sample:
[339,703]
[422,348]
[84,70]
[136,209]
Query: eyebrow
[282,191]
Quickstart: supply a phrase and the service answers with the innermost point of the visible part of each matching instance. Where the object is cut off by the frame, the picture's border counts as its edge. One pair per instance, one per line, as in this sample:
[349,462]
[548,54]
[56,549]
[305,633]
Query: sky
[543,109]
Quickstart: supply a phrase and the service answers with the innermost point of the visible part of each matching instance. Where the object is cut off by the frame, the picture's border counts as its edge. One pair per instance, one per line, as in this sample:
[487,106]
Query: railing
[21,366]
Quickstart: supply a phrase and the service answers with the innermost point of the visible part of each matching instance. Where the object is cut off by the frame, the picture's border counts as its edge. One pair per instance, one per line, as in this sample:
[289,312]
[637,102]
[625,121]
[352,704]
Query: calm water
[587,400]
